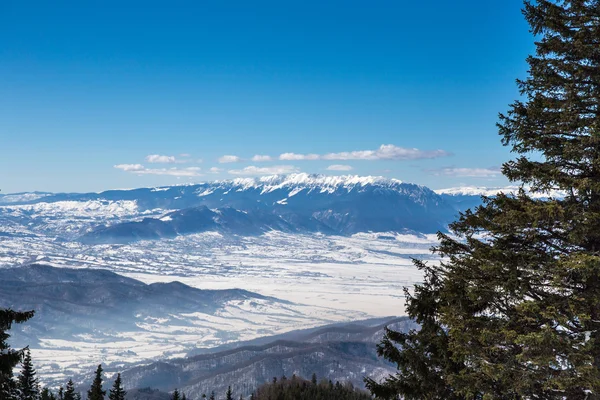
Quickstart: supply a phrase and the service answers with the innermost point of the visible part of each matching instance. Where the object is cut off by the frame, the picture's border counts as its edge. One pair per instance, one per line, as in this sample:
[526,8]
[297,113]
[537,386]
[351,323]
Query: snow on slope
[92,208]
[66,219]
[22,197]
[302,181]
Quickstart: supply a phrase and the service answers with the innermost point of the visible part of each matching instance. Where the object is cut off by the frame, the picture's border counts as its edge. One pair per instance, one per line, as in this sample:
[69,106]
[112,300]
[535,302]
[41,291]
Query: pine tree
[9,358]
[183,397]
[300,389]
[61,394]
[314,379]
[175,395]
[117,392]
[69,393]
[212,396]
[27,382]
[46,394]
[229,394]
[96,392]
[513,311]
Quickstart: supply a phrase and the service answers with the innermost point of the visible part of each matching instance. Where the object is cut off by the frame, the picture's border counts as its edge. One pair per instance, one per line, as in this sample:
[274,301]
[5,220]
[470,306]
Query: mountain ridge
[337,205]
[346,353]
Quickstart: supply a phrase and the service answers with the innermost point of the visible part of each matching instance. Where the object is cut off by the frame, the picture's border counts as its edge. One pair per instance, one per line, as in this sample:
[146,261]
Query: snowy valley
[282,253]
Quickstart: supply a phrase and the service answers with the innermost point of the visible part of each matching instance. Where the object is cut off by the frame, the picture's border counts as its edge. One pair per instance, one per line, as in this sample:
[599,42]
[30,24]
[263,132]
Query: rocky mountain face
[345,353]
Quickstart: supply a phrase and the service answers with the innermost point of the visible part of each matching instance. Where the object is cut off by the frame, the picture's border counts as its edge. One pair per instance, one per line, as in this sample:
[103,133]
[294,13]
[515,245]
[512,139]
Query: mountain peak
[327,183]
[305,178]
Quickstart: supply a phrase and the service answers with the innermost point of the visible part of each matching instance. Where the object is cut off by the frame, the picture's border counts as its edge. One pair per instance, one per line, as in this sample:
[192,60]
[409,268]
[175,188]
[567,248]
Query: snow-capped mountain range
[302,203]
[297,203]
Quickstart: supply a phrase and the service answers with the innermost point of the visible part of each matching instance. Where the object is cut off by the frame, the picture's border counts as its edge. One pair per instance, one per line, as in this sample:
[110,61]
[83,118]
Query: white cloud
[338,167]
[141,170]
[215,170]
[261,158]
[229,159]
[274,170]
[158,159]
[298,157]
[467,172]
[384,152]
[192,171]
[130,167]
[387,152]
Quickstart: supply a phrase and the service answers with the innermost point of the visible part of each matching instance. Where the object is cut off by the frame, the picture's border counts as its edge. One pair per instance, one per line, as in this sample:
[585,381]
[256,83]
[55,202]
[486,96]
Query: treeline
[301,389]
[294,388]
[26,386]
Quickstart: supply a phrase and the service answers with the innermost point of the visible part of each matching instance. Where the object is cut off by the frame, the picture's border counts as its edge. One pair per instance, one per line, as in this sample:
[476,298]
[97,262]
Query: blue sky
[114,94]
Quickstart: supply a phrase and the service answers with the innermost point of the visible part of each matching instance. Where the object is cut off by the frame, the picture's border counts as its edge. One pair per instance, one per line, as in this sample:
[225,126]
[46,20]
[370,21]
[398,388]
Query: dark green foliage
[9,358]
[513,312]
[212,396]
[69,393]
[46,394]
[96,392]
[117,392]
[300,389]
[425,362]
[147,394]
[229,394]
[27,382]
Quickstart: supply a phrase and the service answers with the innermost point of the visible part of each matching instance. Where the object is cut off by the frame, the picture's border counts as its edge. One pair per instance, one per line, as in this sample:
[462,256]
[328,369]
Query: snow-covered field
[328,278]
[364,273]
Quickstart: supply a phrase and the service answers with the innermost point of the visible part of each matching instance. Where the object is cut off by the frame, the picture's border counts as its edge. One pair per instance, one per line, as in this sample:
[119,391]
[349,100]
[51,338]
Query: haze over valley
[251,257]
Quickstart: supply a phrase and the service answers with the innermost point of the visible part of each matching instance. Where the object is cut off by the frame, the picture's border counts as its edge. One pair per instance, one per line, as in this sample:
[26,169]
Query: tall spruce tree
[9,358]
[27,381]
[175,395]
[117,392]
[229,394]
[96,392]
[513,312]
